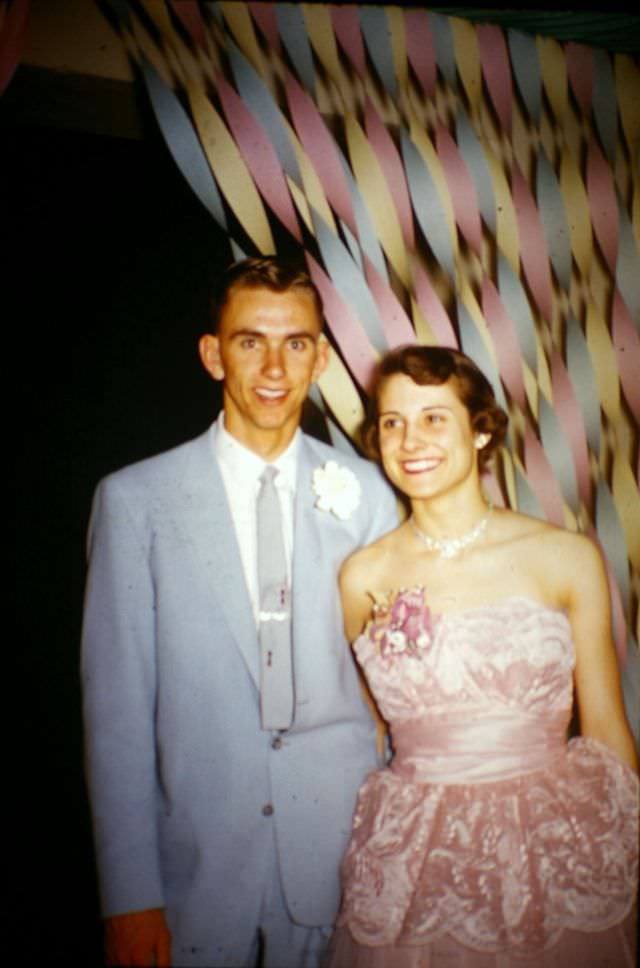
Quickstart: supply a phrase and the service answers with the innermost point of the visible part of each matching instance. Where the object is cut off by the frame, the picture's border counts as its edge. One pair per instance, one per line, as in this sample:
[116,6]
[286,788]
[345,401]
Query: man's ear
[209,349]
[323,351]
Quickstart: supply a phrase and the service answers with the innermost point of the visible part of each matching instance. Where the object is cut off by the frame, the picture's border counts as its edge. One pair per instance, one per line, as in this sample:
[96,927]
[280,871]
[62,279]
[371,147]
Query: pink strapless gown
[489,841]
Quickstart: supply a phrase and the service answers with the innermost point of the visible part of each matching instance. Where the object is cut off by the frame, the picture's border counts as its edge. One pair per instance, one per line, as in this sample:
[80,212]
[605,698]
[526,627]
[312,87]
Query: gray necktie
[276,664]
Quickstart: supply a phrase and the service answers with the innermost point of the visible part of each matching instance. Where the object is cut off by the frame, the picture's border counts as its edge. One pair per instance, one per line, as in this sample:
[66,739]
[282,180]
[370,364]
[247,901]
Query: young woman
[489,841]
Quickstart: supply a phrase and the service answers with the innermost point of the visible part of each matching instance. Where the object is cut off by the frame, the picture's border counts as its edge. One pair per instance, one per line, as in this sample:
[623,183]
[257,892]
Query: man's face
[268,350]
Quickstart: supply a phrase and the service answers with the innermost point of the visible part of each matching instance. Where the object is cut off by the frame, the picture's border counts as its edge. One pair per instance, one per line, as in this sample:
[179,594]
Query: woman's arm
[597,676]
[356,601]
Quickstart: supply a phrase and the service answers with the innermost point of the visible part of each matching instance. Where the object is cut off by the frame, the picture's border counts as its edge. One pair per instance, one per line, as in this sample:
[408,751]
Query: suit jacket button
[276,743]
[267,810]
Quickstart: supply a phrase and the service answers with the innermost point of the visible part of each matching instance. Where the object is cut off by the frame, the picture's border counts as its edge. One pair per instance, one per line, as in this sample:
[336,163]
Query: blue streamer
[377,35]
[526,70]
[554,222]
[427,204]
[295,38]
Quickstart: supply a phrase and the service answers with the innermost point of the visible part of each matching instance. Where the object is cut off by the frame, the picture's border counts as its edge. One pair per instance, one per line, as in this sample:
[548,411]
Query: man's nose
[274,361]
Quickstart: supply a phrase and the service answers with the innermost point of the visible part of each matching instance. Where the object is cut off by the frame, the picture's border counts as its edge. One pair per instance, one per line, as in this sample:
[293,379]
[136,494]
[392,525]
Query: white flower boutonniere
[338,489]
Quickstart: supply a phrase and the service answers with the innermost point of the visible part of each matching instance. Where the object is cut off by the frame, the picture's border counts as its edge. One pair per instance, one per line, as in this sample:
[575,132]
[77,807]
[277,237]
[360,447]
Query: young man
[223,764]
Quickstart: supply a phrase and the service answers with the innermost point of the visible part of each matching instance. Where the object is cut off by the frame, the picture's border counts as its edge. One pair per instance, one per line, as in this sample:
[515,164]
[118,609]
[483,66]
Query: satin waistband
[436,749]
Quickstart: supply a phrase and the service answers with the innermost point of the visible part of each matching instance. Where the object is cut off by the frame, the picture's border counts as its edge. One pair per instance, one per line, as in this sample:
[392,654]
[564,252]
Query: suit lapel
[210,526]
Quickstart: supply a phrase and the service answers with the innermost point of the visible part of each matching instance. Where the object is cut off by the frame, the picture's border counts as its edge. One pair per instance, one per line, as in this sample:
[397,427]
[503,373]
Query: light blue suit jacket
[178,768]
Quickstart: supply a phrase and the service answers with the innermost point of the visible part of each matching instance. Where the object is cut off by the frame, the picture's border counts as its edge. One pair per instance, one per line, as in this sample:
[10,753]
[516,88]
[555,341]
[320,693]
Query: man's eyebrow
[258,334]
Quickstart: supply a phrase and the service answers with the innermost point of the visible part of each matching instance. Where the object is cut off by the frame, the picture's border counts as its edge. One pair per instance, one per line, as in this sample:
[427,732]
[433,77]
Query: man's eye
[248,343]
[297,344]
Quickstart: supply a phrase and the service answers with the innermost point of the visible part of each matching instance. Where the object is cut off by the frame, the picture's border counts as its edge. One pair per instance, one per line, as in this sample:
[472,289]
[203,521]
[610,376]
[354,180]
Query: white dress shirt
[241,470]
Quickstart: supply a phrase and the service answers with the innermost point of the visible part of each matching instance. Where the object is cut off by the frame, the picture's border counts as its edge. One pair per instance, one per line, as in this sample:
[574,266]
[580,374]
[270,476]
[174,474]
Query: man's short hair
[264,272]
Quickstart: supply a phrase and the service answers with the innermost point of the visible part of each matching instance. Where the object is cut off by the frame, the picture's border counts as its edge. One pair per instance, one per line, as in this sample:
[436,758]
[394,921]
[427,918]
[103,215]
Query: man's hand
[141,938]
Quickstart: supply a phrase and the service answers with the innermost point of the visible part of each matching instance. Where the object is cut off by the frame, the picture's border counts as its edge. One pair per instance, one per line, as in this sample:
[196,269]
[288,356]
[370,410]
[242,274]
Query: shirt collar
[247,465]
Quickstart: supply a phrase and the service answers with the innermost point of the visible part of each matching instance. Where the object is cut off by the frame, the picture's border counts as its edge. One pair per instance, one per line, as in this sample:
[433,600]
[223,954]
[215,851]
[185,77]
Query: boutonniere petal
[337,488]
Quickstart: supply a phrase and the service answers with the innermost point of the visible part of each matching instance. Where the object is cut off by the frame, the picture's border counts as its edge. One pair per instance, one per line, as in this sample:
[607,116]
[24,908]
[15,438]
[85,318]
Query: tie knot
[269,474]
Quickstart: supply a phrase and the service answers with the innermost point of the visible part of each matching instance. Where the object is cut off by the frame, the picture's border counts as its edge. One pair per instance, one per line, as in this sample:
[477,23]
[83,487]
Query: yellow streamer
[375,191]
[465,42]
[240,23]
[311,184]
[507,235]
[342,398]
[231,173]
[422,142]
[627,501]
[317,18]
[553,67]
[577,209]
[627,75]
[395,19]
[603,358]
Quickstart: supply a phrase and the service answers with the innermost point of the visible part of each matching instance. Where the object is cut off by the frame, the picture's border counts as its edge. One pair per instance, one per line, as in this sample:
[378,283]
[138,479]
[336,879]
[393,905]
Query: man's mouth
[265,393]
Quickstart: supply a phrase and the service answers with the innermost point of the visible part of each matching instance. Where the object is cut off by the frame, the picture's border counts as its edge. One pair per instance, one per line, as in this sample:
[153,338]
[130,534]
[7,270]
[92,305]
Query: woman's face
[426,441]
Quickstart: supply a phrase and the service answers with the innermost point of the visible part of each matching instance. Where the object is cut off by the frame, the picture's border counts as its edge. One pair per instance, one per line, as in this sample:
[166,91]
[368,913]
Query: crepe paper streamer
[618,617]
[354,248]
[420,49]
[322,150]
[232,175]
[350,284]
[465,45]
[346,329]
[603,204]
[367,237]
[581,70]
[341,395]
[506,233]
[12,37]
[516,304]
[494,58]
[475,346]
[266,18]
[188,12]
[612,538]
[391,164]
[553,68]
[474,158]
[626,497]
[571,419]
[430,200]
[558,451]
[577,205]
[183,144]
[505,342]
[376,32]
[239,22]
[397,325]
[397,37]
[346,24]
[526,70]
[604,103]
[583,382]
[626,343]
[628,265]
[443,43]
[527,501]
[293,32]
[627,84]
[604,362]
[551,210]
[533,247]
[261,159]
[377,197]
[259,100]
[541,479]
[631,686]
[461,189]
[312,197]
[432,309]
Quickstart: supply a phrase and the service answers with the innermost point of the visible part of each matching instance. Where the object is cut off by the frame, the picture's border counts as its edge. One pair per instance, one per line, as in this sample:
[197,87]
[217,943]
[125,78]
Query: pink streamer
[461,189]
[533,245]
[397,326]
[320,146]
[187,11]
[432,309]
[580,71]
[494,58]
[346,25]
[12,37]
[347,331]
[265,16]
[602,203]
[260,156]
[505,341]
[420,49]
[626,343]
[570,416]
[541,479]
[393,169]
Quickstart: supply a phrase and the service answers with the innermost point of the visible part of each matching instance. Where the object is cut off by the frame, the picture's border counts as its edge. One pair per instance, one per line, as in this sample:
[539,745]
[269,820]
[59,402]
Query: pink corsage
[402,626]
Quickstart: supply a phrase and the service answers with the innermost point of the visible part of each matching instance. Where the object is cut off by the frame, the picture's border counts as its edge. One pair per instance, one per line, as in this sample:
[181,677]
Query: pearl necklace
[451,547]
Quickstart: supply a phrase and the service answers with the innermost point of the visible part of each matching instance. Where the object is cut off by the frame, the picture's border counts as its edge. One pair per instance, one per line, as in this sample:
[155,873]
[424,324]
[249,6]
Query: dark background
[107,267]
